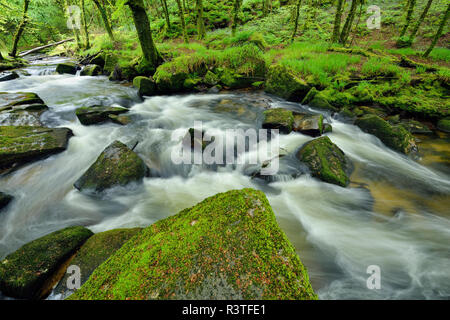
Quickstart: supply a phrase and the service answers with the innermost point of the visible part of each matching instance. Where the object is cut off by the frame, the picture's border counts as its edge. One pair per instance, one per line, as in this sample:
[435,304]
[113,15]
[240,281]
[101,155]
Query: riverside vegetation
[391,82]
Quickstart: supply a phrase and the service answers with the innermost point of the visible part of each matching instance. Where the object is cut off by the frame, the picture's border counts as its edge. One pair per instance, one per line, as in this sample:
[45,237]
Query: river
[395,213]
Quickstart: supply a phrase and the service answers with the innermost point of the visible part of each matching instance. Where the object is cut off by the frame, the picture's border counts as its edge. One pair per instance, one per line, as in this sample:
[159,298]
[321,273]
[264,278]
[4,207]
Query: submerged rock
[145,86]
[117,165]
[5,199]
[325,160]
[228,246]
[91,70]
[68,67]
[97,114]
[23,144]
[282,82]
[25,273]
[311,125]
[8,75]
[280,119]
[96,250]
[394,136]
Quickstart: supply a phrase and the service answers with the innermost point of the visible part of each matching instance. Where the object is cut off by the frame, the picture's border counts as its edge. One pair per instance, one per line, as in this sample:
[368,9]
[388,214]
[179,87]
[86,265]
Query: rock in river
[97,114]
[21,108]
[68,67]
[23,144]
[117,165]
[228,246]
[280,119]
[311,125]
[25,273]
[5,199]
[8,75]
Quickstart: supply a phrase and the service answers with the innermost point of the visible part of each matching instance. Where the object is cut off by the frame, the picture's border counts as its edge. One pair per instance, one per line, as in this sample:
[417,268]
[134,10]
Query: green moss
[444,125]
[283,82]
[68,67]
[211,78]
[97,114]
[280,119]
[91,70]
[24,272]
[228,246]
[145,86]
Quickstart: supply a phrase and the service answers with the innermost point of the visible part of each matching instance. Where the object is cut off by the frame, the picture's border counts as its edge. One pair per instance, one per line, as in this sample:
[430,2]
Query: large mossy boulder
[444,125]
[97,114]
[21,108]
[91,70]
[117,165]
[393,136]
[325,161]
[93,253]
[318,100]
[280,119]
[311,125]
[68,67]
[23,144]
[5,199]
[284,83]
[27,273]
[146,86]
[228,246]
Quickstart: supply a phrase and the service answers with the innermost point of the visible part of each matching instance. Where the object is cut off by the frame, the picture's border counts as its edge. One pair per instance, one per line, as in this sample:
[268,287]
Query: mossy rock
[21,108]
[96,250]
[8,64]
[8,76]
[68,67]
[170,83]
[326,161]
[123,72]
[111,61]
[117,165]
[91,70]
[280,119]
[98,60]
[24,144]
[395,137]
[146,86]
[9,99]
[228,246]
[24,273]
[234,80]
[5,199]
[444,125]
[311,125]
[211,79]
[97,114]
[284,83]
[415,126]
[320,101]
[123,120]
[191,83]
[327,128]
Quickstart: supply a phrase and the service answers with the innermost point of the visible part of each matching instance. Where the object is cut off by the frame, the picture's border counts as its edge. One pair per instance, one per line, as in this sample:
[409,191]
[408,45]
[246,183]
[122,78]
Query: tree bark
[420,21]
[183,22]
[236,7]
[348,22]
[20,29]
[297,15]
[144,32]
[337,21]
[105,20]
[439,32]
[409,14]
[166,13]
[85,25]
[200,22]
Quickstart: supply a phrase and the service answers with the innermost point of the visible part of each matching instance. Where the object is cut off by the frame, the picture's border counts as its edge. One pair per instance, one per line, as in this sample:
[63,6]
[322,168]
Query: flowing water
[395,214]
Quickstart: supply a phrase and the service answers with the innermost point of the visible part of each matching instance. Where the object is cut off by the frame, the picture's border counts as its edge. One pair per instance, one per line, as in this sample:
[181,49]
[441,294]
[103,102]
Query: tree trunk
[439,32]
[20,29]
[144,32]
[236,7]
[337,21]
[105,19]
[349,22]
[200,22]
[266,6]
[166,13]
[297,15]
[183,22]
[361,4]
[409,14]
[86,32]
[420,21]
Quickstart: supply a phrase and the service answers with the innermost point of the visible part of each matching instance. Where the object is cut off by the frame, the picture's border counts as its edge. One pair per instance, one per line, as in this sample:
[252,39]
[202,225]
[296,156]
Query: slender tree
[87,45]
[105,19]
[297,15]
[439,31]
[337,21]
[144,31]
[349,22]
[409,13]
[20,29]
[420,21]
[200,22]
[361,4]
[183,22]
[236,7]
[166,13]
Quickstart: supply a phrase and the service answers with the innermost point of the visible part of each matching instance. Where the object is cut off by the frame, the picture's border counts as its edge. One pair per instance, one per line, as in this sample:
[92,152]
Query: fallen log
[24,53]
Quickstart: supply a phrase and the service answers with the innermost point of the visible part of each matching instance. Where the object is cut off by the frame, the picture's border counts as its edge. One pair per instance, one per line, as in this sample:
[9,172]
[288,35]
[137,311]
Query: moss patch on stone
[97,114]
[280,119]
[284,83]
[69,67]
[145,86]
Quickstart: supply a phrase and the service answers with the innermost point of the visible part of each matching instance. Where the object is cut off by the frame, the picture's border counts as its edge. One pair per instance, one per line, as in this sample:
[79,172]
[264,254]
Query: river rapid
[395,213]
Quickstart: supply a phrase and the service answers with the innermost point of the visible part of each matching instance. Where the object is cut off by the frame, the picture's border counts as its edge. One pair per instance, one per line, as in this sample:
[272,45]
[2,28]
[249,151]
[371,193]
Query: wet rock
[228,246]
[8,75]
[120,119]
[280,119]
[91,70]
[98,60]
[5,199]
[68,67]
[8,100]
[311,125]
[283,82]
[318,100]
[97,114]
[214,90]
[117,165]
[22,108]
[325,161]
[415,126]
[327,128]
[24,144]
[96,250]
[146,86]
[444,125]
[25,273]
[393,136]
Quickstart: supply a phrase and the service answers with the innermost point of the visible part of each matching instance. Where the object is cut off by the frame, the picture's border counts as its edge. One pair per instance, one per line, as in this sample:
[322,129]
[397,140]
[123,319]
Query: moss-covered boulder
[91,70]
[318,100]
[146,86]
[25,273]
[5,199]
[415,126]
[97,114]
[21,108]
[123,72]
[13,99]
[444,125]
[284,83]
[117,165]
[211,79]
[393,136]
[68,67]
[311,125]
[280,119]
[98,59]
[228,246]
[93,253]
[235,80]
[23,144]
[325,161]
[123,120]
[111,60]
